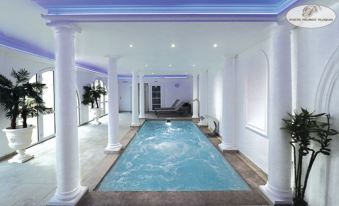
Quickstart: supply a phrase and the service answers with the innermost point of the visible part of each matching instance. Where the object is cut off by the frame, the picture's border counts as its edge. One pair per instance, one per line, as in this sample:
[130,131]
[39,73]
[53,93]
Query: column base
[135,124]
[113,148]
[142,117]
[226,147]
[69,198]
[277,196]
[203,124]
[20,158]
[195,117]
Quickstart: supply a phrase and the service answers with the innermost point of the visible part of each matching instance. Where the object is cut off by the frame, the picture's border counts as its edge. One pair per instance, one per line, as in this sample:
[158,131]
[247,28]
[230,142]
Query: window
[48,97]
[156,97]
[78,107]
[105,100]
[102,101]
[45,123]
[34,120]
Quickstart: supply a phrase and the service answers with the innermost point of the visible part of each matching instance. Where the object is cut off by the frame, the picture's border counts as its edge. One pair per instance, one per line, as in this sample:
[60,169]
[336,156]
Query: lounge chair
[169,108]
[177,110]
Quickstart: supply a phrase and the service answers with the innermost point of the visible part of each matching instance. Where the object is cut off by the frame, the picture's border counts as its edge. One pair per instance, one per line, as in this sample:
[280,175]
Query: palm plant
[307,129]
[21,98]
[92,95]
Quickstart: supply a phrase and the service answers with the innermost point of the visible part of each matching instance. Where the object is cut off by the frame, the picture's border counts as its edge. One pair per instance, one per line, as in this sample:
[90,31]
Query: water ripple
[171,158]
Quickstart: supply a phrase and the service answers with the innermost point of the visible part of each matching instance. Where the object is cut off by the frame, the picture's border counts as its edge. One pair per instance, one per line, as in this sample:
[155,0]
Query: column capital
[113,58]
[64,26]
[227,57]
[283,26]
[201,71]
[112,62]
[194,72]
[229,60]
[141,74]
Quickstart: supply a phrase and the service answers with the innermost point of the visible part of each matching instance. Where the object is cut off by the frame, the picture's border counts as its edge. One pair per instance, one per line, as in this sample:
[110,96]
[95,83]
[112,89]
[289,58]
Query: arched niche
[327,100]
[257,92]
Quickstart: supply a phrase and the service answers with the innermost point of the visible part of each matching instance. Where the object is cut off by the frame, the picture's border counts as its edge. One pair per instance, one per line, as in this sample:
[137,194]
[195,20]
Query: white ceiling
[194,41]
[152,44]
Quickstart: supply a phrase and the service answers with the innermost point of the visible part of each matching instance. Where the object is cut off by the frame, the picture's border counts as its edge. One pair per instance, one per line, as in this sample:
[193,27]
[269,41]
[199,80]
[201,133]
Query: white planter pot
[19,139]
[96,112]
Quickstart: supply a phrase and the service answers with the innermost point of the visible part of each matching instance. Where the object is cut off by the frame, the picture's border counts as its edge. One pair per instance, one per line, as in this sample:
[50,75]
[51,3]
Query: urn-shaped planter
[19,139]
[96,112]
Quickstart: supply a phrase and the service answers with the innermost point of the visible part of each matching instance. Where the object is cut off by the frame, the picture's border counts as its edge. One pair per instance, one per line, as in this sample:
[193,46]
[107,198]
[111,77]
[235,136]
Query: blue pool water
[171,157]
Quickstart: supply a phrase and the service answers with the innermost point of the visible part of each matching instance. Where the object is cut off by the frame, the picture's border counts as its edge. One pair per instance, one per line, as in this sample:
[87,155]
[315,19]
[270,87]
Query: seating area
[177,109]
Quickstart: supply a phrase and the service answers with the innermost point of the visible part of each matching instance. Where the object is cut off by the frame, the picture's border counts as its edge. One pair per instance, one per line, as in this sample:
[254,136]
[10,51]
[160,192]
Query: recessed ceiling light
[215,45]
[131,46]
[152,72]
[170,65]
[194,65]
[173,45]
[146,65]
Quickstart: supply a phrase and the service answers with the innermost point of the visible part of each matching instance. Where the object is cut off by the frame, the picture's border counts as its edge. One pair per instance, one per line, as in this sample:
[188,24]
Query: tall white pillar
[227,126]
[135,119]
[278,188]
[68,191]
[203,97]
[113,144]
[195,96]
[142,96]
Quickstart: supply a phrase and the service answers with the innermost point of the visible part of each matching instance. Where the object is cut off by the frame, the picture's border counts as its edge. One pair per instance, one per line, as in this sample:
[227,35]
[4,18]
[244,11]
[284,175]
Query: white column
[278,188]
[227,126]
[68,191]
[142,96]
[113,144]
[203,97]
[195,96]
[135,119]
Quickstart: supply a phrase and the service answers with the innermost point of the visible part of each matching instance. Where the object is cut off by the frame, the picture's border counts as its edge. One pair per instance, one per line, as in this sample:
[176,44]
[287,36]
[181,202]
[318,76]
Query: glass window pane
[106,107]
[48,93]
[34,120]
[78,107]
[48,97]
[48,127]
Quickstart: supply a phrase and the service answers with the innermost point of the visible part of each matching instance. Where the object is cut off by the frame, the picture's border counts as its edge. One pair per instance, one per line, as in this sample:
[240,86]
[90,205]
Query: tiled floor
[33,183]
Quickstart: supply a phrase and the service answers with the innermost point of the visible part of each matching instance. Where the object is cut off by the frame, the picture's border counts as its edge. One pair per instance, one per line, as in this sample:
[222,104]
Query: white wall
[252,141]
[10,58]
[125,95]
[214,95]
[316,83]
[169,92]
[249,141]
[317,56]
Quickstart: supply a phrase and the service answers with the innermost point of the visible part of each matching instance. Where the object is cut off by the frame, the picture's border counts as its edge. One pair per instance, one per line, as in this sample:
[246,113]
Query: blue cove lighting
[240,7]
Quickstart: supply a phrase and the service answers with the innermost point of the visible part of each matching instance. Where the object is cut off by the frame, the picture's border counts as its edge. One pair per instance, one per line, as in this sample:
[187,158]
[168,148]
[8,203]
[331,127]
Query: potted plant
[91,97]
[21,99]
[310,136]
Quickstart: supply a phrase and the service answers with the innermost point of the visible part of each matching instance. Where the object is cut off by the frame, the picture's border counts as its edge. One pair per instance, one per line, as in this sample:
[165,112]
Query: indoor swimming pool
[171,156]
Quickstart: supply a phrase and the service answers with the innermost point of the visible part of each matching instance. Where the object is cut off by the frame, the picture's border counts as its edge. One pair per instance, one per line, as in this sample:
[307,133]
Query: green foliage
[307,129]
[92,95]
[21,98]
